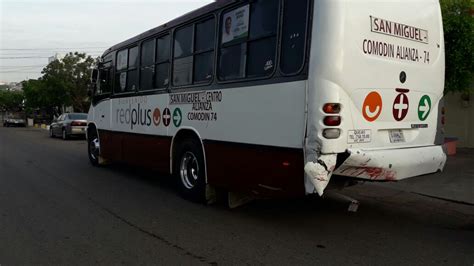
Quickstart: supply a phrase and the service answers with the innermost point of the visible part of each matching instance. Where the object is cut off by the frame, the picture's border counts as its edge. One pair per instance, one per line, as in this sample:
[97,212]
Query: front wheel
[190,170]
[93,148]
[65,136]
[51,135]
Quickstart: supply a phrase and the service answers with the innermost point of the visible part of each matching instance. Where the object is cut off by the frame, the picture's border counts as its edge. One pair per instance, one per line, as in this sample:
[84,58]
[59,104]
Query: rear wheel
[93,148]
[189,170]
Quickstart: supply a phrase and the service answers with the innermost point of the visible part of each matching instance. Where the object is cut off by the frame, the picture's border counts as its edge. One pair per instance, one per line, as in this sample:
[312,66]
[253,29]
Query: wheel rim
[94,148]
[189,170]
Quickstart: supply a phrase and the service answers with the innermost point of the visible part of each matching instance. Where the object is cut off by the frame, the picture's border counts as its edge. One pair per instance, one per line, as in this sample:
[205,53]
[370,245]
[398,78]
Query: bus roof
[173,23]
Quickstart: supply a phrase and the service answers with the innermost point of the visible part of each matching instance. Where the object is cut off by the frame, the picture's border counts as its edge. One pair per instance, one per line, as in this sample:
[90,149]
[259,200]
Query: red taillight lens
[78,123]
[332,108]
[332,121]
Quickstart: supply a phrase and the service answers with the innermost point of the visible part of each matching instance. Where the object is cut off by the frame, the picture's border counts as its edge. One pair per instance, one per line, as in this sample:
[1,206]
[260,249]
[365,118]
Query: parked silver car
[15,121]
[67,125]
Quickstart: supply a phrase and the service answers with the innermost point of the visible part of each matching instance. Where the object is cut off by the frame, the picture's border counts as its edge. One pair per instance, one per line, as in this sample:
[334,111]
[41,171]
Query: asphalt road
[55,208]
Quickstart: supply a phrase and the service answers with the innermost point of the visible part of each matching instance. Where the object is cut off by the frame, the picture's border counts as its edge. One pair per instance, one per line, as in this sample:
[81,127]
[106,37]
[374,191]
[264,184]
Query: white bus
[273,97]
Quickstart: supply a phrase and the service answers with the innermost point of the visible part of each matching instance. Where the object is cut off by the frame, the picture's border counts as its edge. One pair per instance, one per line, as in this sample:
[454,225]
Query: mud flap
[211,194]
[236,199]
[319,173]
[103,161]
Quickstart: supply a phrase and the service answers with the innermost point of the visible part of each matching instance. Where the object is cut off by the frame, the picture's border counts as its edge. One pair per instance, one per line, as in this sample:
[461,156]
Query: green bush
[458,24]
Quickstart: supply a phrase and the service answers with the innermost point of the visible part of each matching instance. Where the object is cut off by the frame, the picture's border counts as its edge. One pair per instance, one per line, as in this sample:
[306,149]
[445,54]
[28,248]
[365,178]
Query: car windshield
[77,116]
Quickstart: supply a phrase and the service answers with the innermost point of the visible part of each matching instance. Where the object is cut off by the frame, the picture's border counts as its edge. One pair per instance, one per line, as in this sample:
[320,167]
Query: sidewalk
[455,183]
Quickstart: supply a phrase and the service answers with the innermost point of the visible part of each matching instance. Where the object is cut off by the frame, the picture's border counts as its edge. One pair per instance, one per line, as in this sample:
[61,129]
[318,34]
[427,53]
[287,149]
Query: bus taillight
[332,108]
[331,133]
[332,121]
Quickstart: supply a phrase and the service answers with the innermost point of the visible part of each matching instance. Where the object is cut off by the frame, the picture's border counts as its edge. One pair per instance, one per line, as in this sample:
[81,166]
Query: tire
[51,135]
[64,134]
[189,170]
[93,148]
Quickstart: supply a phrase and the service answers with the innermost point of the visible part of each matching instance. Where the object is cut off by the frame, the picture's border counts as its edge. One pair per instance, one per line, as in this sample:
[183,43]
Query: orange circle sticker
[156,117]
[372,106]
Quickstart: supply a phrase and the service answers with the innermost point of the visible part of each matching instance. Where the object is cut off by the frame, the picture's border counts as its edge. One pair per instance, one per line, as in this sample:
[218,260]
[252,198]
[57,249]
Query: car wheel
[51,135]
[190,170]
[65,136]
[93,148]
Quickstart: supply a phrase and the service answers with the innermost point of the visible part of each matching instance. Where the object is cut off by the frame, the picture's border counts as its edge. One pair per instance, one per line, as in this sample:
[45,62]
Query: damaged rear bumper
[392,164]
[375,165]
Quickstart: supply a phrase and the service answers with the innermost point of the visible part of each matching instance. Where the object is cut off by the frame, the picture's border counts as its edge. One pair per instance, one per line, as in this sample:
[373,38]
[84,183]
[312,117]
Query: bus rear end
[375,91]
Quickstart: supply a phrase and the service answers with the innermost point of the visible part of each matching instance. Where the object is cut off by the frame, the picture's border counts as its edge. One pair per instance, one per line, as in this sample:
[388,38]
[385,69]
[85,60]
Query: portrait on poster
[235,24]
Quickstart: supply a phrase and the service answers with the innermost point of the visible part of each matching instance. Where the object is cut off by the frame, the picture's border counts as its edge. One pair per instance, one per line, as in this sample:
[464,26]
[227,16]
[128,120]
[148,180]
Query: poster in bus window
[236,24]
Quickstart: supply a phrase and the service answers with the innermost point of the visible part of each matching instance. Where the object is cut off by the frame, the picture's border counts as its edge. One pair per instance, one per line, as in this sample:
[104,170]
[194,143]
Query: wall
[460,119]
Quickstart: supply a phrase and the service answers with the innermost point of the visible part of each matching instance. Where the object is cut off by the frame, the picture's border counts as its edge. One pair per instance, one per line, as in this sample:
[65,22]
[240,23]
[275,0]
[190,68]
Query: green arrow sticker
[424,107]
[177,117]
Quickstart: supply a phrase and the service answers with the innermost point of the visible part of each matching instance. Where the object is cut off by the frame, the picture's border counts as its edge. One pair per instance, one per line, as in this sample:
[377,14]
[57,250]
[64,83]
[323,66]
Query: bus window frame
[307,44]
[140,65]
[128,47]
[155,89]
[277,36]
[98,97]
[194,22]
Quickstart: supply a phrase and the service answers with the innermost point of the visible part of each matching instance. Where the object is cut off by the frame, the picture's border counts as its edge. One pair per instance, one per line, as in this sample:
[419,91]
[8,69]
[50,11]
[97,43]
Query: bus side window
[204,51]
[183,59]
[121,74]
[126,78]
[295,19]
[162,75]
[193,61]
[105,84]
[147,65]
[248,40]
[132,73]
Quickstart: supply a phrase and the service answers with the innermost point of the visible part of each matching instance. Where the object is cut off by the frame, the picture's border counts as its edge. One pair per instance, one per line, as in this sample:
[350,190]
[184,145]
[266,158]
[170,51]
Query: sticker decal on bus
[424,107]
[166,117]
[177,117]
[372,106]
[395,29]
[359,136]
[156,117]
[401,105]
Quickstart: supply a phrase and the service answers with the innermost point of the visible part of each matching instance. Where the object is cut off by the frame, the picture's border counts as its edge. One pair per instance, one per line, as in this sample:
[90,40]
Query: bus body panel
[254,143]
[383,61]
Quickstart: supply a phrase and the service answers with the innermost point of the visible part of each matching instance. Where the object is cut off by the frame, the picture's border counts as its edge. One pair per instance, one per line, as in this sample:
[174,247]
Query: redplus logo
[401,105]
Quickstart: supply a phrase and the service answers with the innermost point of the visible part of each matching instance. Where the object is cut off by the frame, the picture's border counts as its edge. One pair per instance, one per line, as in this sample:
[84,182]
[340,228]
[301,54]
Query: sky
[33,30]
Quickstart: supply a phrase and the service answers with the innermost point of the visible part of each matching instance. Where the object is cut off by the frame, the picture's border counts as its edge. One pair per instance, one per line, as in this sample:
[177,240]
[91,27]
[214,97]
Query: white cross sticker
[400,106]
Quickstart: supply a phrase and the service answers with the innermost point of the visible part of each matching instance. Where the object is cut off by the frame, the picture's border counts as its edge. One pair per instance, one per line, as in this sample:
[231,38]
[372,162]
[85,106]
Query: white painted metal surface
[359,51]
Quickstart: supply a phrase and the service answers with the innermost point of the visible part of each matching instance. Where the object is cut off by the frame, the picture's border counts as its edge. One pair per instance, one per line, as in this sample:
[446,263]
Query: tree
[37,97]
[66,81]
[11,100]
[458,26]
